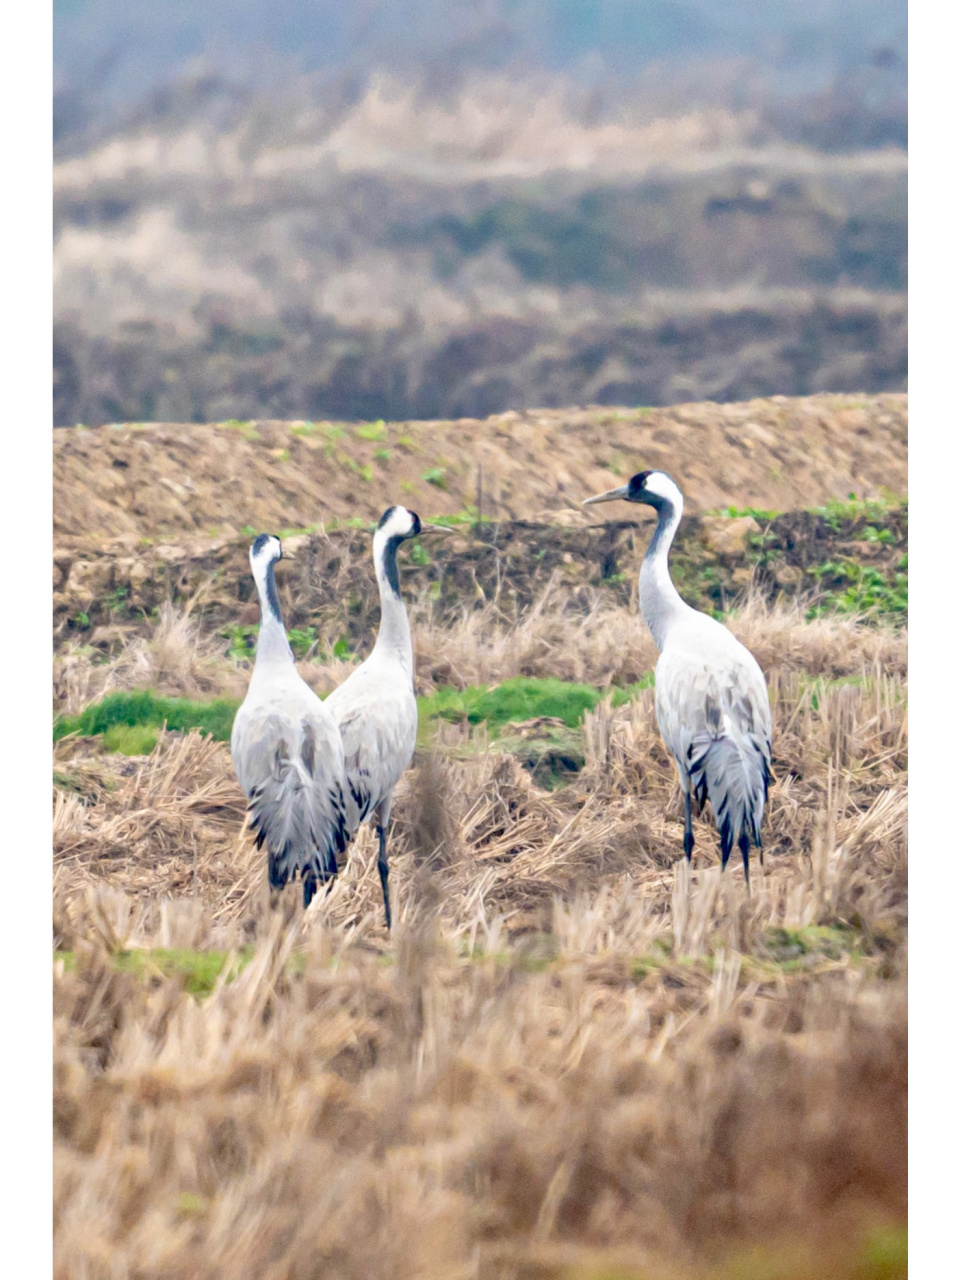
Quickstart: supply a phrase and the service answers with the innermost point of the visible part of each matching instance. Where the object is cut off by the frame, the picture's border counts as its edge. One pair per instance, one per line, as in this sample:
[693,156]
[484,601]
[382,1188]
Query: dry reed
[575,1054]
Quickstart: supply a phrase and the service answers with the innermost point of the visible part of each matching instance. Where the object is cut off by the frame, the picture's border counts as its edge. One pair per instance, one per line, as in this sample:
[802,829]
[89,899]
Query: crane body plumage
[287,752]
[713,710]
[375,707]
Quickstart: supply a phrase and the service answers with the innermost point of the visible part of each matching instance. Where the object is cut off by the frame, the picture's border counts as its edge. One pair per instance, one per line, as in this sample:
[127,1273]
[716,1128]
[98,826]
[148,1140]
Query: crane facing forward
[713,711]
[375,708]
[287,751]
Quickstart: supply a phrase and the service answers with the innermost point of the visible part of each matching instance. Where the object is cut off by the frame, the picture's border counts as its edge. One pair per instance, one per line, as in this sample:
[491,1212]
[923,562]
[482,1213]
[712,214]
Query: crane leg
[687,825]
[744,843]
[383,817]
[308,878]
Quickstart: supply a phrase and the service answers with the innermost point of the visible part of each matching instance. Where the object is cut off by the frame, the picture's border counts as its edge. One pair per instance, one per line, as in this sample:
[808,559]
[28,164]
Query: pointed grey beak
[610,496]
[434,528]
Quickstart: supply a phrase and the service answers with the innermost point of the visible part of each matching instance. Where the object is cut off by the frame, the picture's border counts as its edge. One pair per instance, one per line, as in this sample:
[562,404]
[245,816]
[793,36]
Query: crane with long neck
[375,707]
[713,710]
[287,751]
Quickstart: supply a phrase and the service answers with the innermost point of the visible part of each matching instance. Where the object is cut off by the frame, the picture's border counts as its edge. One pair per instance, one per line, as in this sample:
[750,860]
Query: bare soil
[171,481]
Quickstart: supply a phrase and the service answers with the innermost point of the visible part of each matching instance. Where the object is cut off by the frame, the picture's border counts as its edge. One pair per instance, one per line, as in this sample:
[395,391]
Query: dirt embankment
[197,485]
[327,582]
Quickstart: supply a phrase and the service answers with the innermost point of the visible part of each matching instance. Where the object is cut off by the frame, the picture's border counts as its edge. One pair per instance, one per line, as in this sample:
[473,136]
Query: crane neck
[393,638]
[660,602]
[272,643]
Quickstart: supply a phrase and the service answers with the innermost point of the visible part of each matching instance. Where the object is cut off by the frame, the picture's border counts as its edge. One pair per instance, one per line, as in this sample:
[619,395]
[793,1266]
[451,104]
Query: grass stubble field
[573,1058]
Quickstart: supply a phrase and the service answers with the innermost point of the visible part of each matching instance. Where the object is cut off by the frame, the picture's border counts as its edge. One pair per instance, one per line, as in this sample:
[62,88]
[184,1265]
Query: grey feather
[289,762]
[375,709]
[713,710]
[288,754]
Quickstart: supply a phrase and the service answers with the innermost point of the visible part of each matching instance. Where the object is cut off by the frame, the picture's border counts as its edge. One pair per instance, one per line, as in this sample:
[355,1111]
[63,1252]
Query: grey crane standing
[287,751]
[375,707]
[711,697]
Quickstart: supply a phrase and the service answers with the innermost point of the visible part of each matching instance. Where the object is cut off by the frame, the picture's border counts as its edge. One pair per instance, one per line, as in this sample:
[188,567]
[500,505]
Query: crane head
[654,488]
[266,549]
[397,523]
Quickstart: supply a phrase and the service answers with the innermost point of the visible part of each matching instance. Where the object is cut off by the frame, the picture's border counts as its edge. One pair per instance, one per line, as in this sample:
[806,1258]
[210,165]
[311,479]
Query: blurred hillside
[502,206]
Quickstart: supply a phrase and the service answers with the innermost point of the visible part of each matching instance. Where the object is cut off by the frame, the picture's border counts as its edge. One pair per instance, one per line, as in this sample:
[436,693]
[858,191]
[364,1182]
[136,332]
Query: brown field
[574,1059]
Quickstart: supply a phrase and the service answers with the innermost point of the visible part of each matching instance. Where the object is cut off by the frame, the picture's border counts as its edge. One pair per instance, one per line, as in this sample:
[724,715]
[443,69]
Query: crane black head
[653,488]
[398,524]
[266,545]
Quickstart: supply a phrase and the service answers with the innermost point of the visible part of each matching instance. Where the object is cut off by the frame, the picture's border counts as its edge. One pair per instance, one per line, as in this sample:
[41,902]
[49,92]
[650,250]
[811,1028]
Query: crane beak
[434,528]
[610,496]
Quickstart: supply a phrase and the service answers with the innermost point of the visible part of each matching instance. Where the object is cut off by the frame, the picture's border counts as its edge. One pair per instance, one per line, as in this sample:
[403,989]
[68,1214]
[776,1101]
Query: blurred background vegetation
[352,208]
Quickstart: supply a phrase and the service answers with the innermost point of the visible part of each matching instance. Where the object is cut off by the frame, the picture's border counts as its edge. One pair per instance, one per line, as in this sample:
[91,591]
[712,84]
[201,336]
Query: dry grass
[573,1056]
[593,643]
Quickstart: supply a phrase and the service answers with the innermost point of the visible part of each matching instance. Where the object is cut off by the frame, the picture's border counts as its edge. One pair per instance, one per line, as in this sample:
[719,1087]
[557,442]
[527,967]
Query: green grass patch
[372,430]
[131,739]
[785,947]
[130,722]
[200,969]
[141,709]
[523,698]
[836,512]
[758,513]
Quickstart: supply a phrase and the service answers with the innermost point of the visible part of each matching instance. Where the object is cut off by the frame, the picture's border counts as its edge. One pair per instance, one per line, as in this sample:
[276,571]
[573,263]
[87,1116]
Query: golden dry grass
[595,642]
[573,1058]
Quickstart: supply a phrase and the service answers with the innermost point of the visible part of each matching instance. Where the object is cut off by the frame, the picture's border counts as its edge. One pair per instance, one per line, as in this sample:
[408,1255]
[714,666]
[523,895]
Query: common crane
[713,711]
[375,708]
[287,751]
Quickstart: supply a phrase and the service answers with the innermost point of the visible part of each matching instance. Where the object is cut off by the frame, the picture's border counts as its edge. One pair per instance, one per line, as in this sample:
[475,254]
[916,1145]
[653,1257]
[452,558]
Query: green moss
[436,476]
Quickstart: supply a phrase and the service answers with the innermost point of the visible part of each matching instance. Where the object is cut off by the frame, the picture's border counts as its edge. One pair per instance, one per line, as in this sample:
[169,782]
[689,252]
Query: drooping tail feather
[734,775]
[304,830]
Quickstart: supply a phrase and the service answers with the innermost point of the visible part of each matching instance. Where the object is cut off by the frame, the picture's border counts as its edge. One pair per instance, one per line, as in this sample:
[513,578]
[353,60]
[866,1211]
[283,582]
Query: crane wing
[289,760]
[714,716]
[378,725]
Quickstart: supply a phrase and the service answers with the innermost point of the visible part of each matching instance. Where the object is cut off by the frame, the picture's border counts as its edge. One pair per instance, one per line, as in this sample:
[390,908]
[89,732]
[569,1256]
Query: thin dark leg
[687,825]
[384,869]
[744,843]
[310,882]
[760,851]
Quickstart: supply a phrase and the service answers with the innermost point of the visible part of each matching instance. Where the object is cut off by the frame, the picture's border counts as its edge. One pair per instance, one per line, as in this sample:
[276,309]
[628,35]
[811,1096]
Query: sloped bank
[850,556]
